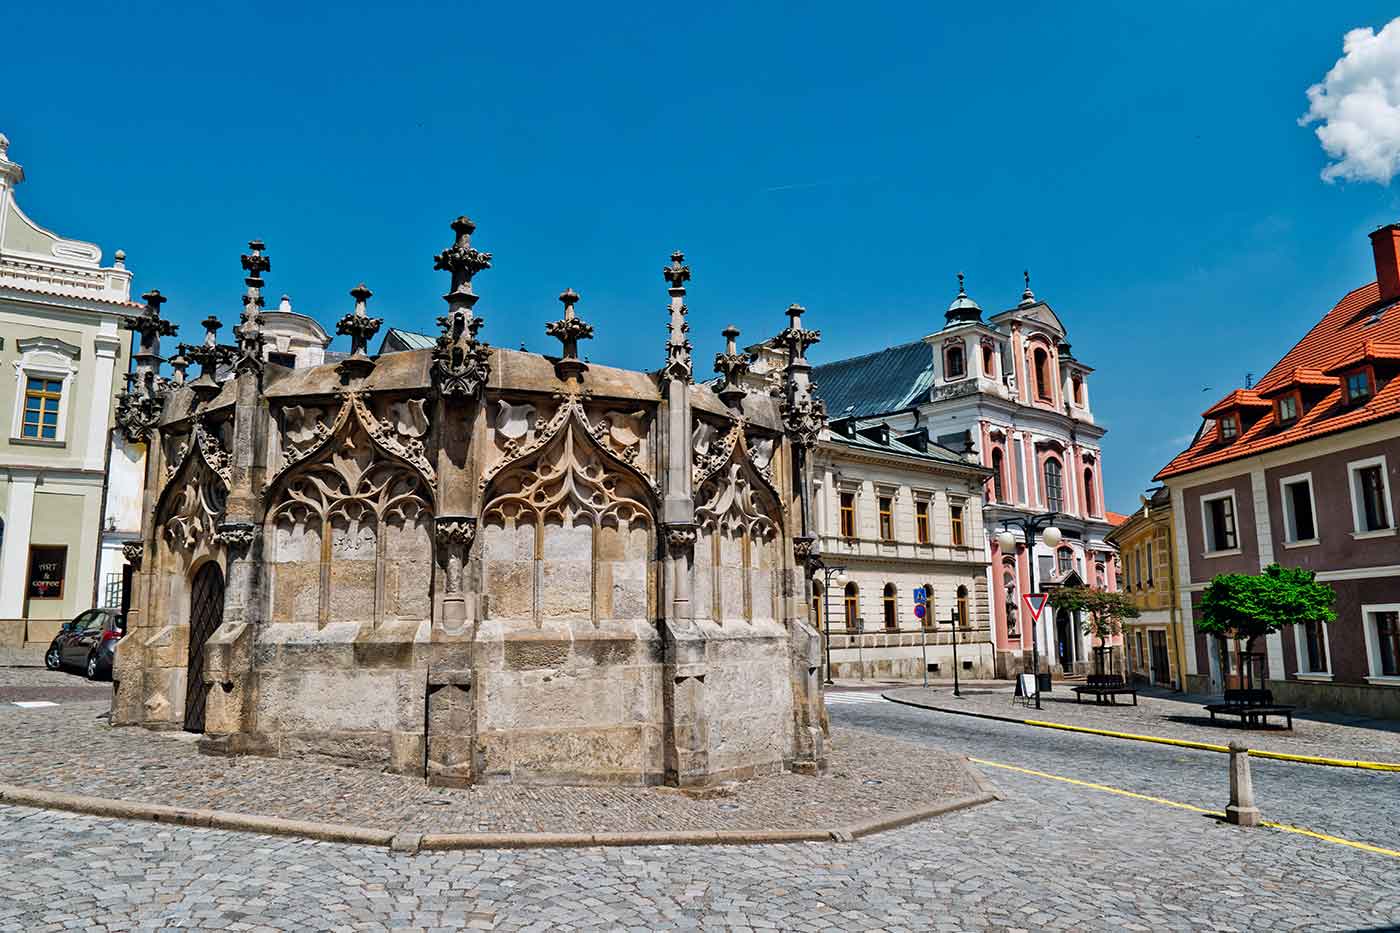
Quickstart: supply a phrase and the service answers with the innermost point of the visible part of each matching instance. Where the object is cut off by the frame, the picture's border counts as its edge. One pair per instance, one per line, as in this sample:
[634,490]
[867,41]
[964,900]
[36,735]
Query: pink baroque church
[1007,389]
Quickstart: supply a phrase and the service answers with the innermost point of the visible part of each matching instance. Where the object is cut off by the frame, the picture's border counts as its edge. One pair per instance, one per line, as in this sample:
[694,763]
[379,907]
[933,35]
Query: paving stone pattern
[36,683]
[69,748]
[1021,864]
[1177,718]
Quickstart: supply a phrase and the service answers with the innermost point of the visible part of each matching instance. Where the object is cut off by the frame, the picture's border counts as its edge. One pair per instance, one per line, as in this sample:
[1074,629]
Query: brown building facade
[1299,470]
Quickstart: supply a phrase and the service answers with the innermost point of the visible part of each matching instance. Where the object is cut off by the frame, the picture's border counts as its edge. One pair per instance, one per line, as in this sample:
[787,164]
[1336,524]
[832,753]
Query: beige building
[902,517]
[61,363]
[1153,643]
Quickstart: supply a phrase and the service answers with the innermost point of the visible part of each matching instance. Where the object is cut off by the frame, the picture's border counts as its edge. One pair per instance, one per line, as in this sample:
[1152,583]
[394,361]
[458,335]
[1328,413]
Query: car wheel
[92,672]
[53,660]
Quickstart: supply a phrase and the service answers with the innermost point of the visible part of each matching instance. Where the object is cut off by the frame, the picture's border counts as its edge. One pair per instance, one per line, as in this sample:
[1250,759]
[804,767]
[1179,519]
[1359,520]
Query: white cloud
[1358,107]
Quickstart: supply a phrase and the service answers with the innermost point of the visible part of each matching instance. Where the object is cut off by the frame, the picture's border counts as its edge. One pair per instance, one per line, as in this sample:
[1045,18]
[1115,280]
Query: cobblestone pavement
[1051,856]
[1350,803]
[1178,717]
[35,683]
[69,748]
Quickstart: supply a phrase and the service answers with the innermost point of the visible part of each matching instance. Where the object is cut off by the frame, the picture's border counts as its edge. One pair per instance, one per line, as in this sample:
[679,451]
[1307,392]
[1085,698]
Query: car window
[85,620]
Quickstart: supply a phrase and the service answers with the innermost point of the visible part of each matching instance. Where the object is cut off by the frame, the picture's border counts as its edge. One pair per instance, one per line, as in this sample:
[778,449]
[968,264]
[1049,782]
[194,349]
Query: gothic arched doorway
[206,614]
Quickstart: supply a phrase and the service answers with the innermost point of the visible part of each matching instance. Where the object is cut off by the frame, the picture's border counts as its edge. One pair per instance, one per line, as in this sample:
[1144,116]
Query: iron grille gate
[206,613]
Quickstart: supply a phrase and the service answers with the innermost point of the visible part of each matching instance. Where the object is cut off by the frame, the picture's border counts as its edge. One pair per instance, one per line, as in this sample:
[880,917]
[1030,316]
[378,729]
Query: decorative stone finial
[209,355]
[4,145]
[119,259]
[796,339]
[804,415]
[461,363]
[678,348]
[733,366]
[1027,297]
[139,404]
[360,328]
[248,335]
[178,365]
[569,330]
[677,273]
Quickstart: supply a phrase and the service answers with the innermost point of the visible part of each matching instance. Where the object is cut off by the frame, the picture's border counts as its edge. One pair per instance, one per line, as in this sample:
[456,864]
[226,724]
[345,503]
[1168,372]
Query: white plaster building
[901,515]
[62,355]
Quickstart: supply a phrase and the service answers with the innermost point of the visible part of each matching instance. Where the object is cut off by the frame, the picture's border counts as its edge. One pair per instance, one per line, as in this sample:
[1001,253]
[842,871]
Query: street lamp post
[830,575]
[954,622]
[1043,525]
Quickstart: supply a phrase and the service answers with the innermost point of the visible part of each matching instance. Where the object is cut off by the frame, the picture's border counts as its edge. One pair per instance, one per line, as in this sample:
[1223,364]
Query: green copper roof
[889,380]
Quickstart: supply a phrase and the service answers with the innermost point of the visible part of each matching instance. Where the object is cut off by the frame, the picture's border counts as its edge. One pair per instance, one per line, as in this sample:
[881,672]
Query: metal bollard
[1241,811]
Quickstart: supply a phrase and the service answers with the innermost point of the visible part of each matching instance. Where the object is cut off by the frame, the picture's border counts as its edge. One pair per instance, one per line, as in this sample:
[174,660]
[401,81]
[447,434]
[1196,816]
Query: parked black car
[88,642]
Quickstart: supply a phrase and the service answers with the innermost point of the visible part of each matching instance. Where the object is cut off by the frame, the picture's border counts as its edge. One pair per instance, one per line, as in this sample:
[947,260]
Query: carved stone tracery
[396,427]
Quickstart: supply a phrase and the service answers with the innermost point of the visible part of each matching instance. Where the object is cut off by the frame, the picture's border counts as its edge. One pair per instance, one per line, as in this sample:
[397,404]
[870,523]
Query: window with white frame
[1299,510]
[43,380]
[1382,625]
[1218,522]
[1311,641]
[1370,496]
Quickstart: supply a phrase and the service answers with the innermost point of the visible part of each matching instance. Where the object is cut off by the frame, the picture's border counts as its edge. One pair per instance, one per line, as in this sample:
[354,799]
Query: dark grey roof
[896,446]
[888,380]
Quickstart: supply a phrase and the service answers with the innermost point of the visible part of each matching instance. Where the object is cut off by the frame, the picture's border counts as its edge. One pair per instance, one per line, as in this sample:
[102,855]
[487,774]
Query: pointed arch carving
[191,505]
[617,436]
[397,432]
[350,520]
[568,527]
[739,520]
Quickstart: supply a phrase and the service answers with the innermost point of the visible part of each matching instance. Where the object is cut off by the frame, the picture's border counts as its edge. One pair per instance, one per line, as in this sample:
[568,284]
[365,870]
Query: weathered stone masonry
[474,563]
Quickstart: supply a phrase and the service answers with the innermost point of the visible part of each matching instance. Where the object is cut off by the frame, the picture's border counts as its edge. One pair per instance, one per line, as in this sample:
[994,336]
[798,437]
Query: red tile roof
[1299,376]
[1358,330]
[1115,518]
[1240,398]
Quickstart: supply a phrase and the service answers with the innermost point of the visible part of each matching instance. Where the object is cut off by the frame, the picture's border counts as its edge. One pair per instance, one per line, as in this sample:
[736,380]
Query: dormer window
[1229,428]
[1287,409]
[1358,386]
[954,365]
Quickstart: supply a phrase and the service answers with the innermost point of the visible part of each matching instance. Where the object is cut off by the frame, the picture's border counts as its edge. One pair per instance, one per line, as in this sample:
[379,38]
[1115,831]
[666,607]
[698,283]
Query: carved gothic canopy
[569,467]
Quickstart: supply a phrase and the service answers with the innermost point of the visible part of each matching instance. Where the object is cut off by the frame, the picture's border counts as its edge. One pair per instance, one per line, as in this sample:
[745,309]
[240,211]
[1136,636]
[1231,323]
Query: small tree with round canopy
[1248,606]
[1104,612]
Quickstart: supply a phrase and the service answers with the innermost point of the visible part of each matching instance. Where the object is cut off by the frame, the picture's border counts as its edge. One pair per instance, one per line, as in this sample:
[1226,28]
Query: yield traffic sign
[1035,602]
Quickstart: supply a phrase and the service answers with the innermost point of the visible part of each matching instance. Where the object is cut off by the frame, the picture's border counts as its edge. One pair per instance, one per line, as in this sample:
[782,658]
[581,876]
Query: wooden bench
[1252,706]
[1105,687]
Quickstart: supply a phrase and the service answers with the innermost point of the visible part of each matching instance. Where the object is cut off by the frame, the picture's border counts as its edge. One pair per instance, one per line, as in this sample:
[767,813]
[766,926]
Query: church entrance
[206,614]
[1064,638]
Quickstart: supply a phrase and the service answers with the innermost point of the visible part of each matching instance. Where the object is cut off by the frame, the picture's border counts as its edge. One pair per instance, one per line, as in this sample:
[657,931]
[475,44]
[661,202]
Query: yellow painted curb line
[1332,762]
[1159,740]
[1181,743]
[1283,827]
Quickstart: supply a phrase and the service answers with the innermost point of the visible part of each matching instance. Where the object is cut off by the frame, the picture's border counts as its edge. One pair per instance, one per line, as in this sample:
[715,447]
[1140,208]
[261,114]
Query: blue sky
[1148,169]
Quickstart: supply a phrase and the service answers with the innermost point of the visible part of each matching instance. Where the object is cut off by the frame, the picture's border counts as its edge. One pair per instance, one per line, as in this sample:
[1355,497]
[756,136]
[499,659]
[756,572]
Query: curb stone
[1156,739]
[410,843]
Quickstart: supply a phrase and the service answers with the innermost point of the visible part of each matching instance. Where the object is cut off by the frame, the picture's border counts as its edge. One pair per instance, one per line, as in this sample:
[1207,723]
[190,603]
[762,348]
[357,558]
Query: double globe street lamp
[1044,526]
[829,576]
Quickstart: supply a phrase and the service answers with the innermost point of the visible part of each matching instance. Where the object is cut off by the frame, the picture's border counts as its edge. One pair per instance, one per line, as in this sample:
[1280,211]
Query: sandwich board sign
[1035,602]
